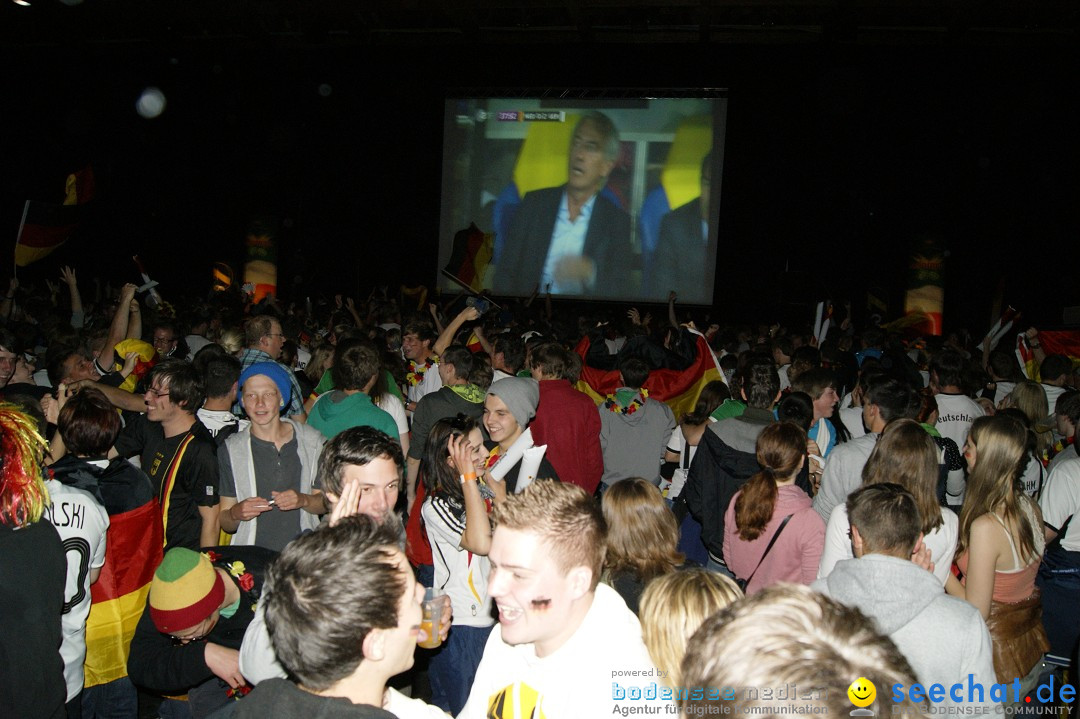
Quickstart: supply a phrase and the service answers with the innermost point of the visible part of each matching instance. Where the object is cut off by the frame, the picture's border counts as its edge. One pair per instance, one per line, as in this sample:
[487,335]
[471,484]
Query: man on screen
[570,237]
[681,252]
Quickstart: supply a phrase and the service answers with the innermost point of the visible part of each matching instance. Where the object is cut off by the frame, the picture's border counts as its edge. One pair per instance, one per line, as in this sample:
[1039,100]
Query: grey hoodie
[944,638]
[633,443]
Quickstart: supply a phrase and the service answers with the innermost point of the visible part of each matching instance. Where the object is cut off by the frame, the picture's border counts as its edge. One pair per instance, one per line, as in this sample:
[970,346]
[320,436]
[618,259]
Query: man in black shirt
[178,454]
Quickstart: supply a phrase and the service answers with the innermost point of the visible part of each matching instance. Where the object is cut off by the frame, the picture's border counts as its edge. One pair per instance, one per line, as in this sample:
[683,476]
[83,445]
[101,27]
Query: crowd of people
[226,507]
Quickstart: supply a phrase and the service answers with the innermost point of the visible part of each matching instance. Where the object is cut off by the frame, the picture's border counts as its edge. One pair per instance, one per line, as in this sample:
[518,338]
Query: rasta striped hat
[186,589]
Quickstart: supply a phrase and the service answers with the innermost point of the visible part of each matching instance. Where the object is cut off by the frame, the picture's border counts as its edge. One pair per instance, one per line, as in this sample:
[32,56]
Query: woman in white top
[905,454]
[685,438]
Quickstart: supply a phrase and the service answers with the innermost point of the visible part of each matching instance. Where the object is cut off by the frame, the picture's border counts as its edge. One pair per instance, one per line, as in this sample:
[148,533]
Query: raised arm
[446,337]
[477,535]
[1036,346]
[9,299]
[67,274]
[118,330]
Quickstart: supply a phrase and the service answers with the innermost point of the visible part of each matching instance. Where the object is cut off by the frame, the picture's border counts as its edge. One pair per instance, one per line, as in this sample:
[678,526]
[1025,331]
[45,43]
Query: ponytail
[781,448]
[755,504]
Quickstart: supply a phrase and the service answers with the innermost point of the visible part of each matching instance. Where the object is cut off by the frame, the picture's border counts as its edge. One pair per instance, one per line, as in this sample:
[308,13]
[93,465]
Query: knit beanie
[275,372]
[186,589]
[520,395]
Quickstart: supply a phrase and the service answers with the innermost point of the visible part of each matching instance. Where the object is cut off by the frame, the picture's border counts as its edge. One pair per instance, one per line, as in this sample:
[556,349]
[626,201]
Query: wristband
[468,477]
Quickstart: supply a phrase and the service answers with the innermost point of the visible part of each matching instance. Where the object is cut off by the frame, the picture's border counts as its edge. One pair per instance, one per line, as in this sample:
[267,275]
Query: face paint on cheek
[541,603]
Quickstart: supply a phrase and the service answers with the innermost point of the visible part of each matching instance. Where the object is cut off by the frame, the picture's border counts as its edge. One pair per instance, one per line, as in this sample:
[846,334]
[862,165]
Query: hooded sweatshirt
[795,556]
[634,431]
[944,638]
[336,411]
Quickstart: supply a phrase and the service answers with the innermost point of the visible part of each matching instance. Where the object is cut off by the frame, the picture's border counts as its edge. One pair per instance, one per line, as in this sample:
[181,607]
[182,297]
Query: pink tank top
[1009,586]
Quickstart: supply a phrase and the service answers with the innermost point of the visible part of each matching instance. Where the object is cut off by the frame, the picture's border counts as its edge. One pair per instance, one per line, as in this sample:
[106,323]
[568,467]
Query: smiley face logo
[862,692]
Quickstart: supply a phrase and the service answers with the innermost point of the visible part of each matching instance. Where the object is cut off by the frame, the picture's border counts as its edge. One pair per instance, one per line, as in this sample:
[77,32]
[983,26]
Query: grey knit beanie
[520,395]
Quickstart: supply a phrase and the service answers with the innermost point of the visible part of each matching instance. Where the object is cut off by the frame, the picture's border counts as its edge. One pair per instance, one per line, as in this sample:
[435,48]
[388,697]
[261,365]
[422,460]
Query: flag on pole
[45,225]
[470,257]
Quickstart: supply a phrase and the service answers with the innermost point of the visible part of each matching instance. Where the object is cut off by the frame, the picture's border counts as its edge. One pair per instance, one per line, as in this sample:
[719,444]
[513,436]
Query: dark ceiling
[341,23]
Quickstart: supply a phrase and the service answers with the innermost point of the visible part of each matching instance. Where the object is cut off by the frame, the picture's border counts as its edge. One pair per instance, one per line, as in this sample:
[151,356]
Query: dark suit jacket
[681,257]
[607,242]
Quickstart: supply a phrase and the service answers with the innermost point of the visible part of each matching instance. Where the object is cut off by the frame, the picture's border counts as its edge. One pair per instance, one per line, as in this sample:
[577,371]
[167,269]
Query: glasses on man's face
[164,340]
[273,334]
[158,392]
[180,641]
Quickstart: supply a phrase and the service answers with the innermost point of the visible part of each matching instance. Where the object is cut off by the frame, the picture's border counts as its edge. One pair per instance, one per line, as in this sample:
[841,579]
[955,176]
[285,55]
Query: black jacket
[724,461]
[158,663]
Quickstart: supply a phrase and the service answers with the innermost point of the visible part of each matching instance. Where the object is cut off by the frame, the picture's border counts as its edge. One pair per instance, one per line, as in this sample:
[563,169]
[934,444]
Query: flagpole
[22,223]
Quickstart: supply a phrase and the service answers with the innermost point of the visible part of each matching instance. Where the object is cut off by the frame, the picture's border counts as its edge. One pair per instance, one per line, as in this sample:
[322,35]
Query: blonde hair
[565,517]
[673,606]
[232,340]
[995,482]
[642,532]
[1030,398]
[789,634]
[907,455]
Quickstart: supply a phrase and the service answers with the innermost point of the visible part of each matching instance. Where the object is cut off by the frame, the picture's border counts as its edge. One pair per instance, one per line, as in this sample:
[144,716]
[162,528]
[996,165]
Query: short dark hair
[784,344]
[1068,405]
[355,446]
[1054,366]
[634,372]
[1004,365]
[513,350]
[166,325]
[422,329]
[355,362]
[797,408]
[258,327]
[550,358]
[894,398]
[57,367]
[88,423]
[815,381]
[326,592]
[948,365]
[460,358]
[760,381]
[219,373]
[9,342]
[185,386]
[887,518]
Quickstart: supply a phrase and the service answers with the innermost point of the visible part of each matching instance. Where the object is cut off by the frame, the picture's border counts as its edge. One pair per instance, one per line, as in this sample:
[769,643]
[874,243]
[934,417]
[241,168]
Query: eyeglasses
[186,640]
[158,393]
[273,334]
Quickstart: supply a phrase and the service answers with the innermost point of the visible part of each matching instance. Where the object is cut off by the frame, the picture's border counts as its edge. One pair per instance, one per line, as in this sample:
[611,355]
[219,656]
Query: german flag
[45,226]
[679,389]
[470,256]
[1054,342]
[132,553]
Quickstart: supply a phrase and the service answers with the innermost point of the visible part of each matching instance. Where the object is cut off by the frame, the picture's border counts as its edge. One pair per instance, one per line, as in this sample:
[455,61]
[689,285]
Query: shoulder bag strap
[771,543]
